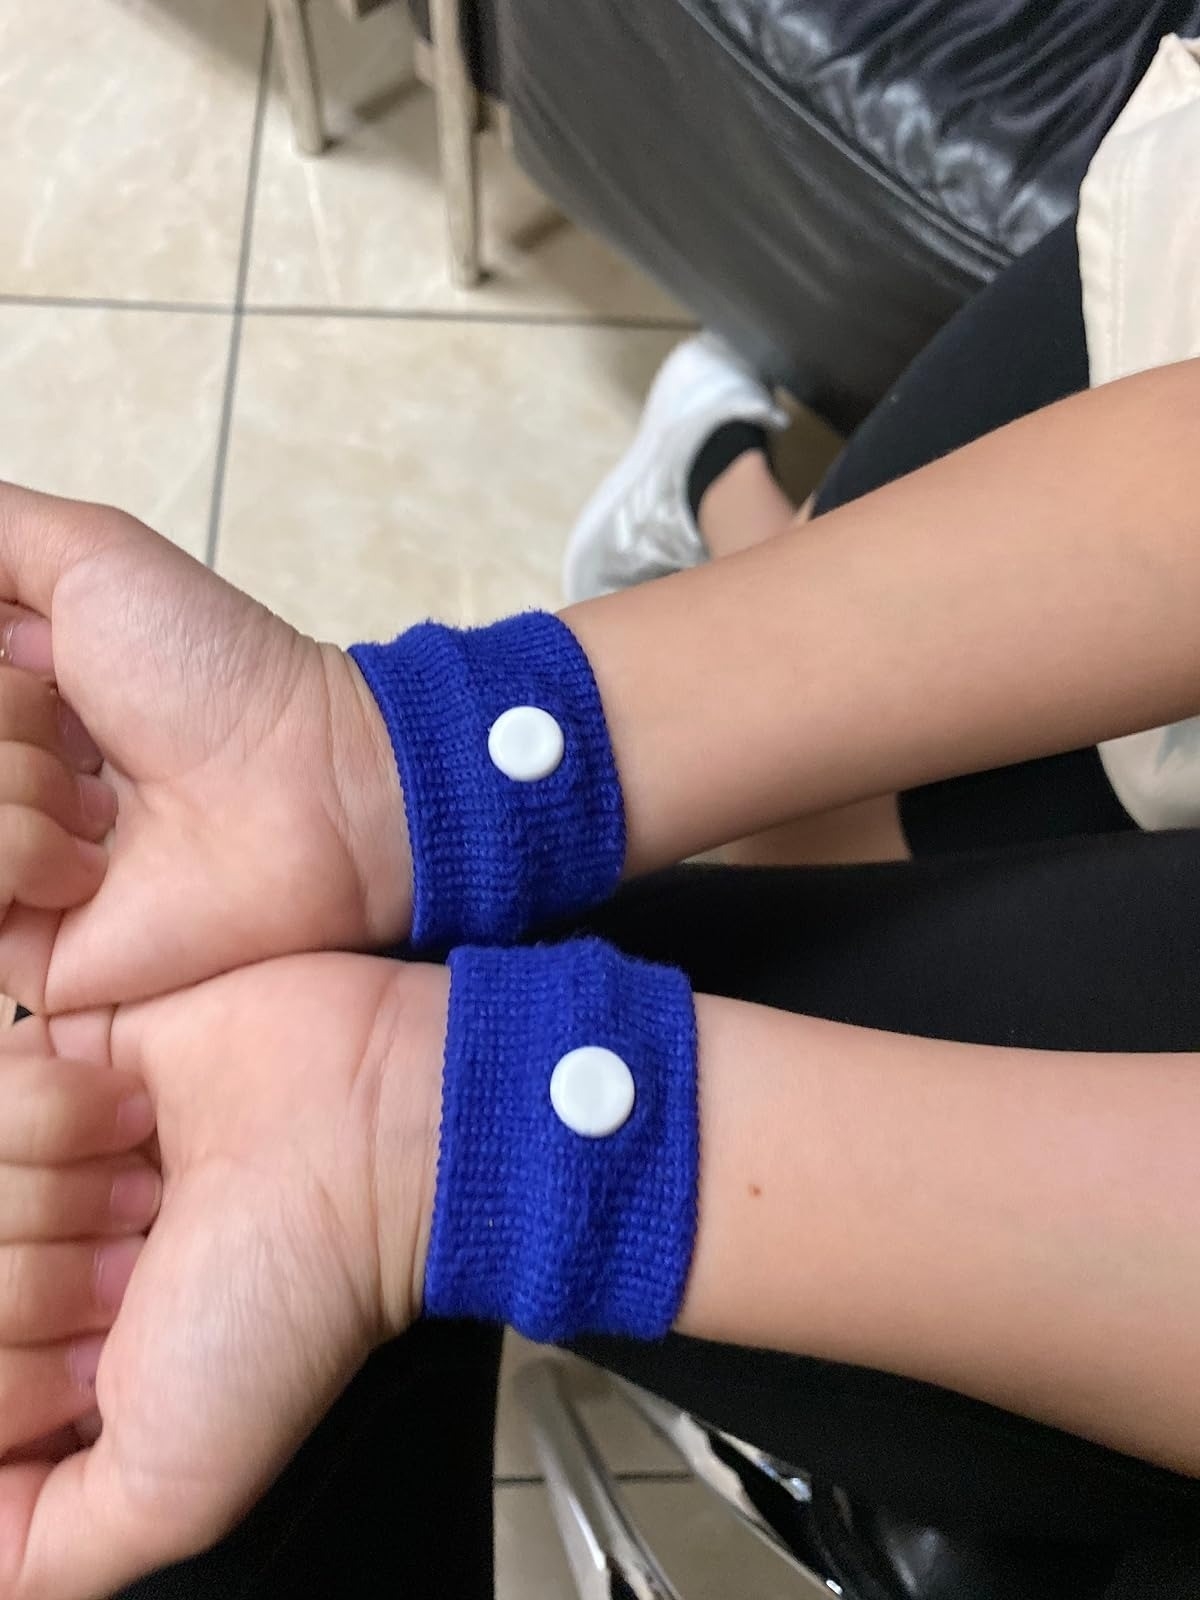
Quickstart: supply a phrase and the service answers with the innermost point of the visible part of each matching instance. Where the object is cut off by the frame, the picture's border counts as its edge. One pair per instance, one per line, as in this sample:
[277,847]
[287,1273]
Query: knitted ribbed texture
[534,1225]
[493,858]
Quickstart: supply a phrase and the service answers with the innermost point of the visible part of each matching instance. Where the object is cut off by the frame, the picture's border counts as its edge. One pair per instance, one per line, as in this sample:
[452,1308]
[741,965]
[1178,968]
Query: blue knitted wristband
[553,1231]
[493,856]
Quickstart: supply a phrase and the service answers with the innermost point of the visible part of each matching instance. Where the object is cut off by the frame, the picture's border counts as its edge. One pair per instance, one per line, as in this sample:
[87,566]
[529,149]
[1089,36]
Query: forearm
[1016,1225]
[1036,591]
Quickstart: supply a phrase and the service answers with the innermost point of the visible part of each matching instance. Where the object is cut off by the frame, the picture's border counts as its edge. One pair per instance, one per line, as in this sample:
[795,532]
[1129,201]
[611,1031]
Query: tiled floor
[263,358]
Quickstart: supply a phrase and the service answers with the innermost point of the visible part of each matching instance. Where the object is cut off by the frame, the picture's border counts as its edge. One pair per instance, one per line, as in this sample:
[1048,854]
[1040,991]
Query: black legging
[1086,942]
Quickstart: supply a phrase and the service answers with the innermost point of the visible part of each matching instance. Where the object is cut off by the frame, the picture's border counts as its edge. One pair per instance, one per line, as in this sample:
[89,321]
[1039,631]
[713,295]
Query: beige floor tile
[703,1550]
[530,1564]
[381,471]
[119,406]
[626,1443]
[126,140]
[364,225]
[707,1553]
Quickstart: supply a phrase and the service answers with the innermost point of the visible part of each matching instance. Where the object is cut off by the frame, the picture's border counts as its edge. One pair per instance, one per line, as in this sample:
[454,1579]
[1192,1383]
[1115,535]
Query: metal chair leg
[608,1559]
[608,1556]
[290,20]
[696,1444]
[457,117]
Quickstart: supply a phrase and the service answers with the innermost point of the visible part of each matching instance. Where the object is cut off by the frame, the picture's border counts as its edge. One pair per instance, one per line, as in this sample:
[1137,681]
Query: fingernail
[135,1117]
[135,1196]
[98,801]
[81,749]
[26,644]
[114,1268]
[83,1361]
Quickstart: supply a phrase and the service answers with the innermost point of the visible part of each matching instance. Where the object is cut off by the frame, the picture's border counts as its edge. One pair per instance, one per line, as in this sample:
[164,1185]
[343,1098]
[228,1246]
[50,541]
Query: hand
[297,1107]
[259,808]
[53,811]
[74,1195]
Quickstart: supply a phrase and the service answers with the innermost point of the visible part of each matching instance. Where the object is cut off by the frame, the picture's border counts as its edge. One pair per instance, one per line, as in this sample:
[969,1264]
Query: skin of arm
[1017,1225]
[1035,591]
[1014,1225]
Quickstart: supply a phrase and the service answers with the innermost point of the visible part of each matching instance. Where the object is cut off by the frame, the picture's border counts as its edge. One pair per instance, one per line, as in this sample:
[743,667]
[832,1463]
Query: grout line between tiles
[104,303]
[531,1480]
[239,296]
[204,308]
[529,319]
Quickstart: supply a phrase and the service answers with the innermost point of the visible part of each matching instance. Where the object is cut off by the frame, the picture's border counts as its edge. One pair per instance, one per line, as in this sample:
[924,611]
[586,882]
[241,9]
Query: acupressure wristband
[556,1231]
[494,854]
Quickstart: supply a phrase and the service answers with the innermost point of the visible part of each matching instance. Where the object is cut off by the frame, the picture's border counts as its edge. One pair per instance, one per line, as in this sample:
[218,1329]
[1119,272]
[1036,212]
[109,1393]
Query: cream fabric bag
[1139,259]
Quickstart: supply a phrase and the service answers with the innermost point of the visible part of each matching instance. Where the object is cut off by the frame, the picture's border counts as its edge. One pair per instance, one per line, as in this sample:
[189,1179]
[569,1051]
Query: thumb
[42,537]
[69,1532]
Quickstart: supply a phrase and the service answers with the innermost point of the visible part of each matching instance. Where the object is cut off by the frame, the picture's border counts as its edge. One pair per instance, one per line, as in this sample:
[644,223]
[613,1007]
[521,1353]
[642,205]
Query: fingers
[31,1036]
[32,712]
[53,813]
[33,779]
[26,943]
[44,1388]
[42,865]
[55,1446]
[68,1531]
[62,1441]
[62,1111]
[60,1290]
[82,1037]
[25,641]
[42,537]
[88,1200]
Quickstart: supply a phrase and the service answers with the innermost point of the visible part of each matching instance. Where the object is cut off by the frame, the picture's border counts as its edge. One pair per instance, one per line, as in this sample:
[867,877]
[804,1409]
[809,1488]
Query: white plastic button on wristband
[592,1091]
[525,743]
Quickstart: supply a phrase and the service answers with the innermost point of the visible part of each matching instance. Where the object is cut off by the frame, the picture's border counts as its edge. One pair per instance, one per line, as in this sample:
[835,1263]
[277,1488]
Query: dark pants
[1035,915]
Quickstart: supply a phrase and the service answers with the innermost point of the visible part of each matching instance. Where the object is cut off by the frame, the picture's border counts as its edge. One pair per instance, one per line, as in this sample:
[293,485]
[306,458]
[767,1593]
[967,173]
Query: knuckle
[99,518]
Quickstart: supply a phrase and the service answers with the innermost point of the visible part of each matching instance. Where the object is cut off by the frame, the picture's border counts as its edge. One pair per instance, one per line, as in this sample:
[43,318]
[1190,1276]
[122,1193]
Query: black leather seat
[822,180]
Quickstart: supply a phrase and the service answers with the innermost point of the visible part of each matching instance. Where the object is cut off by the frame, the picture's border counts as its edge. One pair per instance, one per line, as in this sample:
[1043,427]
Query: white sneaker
[638,524]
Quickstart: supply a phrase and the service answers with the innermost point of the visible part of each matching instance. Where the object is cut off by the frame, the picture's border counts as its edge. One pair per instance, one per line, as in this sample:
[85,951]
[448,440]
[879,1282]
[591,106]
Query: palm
[220,726]
[257,1295]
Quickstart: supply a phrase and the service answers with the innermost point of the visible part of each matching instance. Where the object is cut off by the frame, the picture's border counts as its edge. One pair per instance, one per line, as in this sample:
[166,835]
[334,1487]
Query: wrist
[566,1174]
[513,803]
[405,1091]
[369,801]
